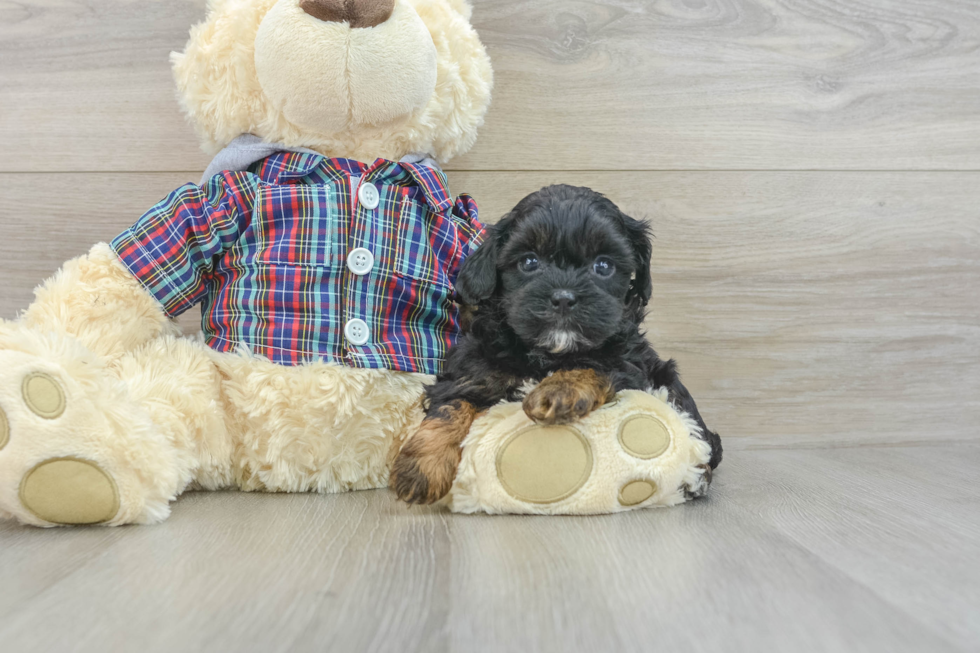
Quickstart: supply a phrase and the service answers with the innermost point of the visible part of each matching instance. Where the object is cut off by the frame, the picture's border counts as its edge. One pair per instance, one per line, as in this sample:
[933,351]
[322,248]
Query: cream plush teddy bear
[322,244]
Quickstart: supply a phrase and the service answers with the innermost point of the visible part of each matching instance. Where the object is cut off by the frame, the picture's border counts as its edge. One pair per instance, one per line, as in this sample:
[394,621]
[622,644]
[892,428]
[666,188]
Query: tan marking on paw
[43,395]
[636,492]
[567,395]
[70,491]
[425,468]
[644,437]
[544,464]
[4,429]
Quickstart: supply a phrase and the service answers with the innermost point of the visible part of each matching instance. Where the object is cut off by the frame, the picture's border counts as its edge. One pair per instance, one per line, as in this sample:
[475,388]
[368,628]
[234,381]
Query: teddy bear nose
[359,13]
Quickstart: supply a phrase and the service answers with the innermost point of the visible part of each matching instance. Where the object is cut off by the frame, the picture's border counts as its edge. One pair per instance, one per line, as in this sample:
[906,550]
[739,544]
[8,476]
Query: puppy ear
[477,279]
[641,287]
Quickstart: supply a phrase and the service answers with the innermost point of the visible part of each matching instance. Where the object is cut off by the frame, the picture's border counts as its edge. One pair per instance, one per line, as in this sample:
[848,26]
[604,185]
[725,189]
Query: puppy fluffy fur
[560,287]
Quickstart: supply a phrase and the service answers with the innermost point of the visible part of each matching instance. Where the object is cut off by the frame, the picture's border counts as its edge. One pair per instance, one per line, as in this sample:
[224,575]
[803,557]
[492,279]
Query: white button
[368,194]
[357,331]
[360,261]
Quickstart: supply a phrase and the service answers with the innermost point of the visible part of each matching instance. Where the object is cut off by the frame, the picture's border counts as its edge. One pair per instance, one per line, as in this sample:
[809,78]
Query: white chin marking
[559,341]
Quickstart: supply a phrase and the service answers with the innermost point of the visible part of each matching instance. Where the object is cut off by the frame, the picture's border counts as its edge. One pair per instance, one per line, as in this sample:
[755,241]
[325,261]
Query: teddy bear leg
[317,427]
[176,381]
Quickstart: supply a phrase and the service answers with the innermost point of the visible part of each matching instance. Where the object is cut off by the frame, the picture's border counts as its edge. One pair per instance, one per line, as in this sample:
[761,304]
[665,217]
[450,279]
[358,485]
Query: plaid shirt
[266,252]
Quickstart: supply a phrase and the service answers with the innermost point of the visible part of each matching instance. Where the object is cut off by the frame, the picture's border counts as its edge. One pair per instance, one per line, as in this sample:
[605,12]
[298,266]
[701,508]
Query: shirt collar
[296,165]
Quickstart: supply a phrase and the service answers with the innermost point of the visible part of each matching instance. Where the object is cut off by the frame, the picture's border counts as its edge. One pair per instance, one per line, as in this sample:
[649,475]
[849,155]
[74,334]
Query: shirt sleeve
[171,249]
[469,228]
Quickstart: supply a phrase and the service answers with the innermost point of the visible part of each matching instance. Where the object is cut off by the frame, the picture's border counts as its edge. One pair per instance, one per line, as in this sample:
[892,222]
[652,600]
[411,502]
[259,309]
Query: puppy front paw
[423,474]
[426,466]
[566,396]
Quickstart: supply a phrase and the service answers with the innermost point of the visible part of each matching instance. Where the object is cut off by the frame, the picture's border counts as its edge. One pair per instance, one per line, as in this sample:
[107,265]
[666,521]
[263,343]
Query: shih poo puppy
[559,289]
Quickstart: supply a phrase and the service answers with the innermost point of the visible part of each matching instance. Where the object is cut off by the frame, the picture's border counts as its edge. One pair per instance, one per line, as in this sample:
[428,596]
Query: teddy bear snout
[359,13]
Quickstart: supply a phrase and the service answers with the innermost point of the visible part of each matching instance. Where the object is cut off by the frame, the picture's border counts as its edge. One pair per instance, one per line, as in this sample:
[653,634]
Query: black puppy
[560,285]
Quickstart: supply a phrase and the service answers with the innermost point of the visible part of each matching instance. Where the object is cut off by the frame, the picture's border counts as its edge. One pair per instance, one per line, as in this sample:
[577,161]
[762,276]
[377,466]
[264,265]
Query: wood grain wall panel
[616,84]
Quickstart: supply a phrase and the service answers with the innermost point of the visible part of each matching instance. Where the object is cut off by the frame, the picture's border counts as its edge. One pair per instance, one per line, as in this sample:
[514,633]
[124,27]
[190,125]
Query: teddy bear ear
[220,101]
[463,7]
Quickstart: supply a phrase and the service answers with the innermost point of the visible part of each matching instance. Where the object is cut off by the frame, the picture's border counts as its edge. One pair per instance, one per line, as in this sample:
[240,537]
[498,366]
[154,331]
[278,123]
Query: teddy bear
[322,245]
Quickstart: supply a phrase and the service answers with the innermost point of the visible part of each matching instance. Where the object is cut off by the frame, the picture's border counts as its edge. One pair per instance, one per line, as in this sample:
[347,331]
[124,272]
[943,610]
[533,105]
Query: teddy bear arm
[121,295]
[95,299]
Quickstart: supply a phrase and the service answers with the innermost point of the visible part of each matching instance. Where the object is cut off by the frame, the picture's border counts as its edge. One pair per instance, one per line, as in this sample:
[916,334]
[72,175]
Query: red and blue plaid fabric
[266,252]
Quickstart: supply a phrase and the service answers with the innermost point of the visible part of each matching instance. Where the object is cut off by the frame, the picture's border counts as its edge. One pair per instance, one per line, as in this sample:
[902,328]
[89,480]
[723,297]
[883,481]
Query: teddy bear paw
[66,455]
[636,451]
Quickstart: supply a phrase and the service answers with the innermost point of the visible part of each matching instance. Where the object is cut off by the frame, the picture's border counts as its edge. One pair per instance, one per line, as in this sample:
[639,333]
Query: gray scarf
[247,149]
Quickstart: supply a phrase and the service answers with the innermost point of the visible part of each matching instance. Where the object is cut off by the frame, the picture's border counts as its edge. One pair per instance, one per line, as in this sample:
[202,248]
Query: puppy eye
[529,263]
[604,266]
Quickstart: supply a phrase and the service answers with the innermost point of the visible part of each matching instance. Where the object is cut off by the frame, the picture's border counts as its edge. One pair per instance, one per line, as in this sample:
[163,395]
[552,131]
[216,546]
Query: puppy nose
[359,13]
[563,300]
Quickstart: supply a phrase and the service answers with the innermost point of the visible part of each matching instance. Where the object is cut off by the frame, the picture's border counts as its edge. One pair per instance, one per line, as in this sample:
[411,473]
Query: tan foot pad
[544,464]
[644,436]
[43,395]
[70,491]
[636,492]
[4,429]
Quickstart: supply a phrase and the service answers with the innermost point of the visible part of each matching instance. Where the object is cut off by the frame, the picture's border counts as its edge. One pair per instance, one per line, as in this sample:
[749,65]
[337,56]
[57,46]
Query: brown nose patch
[359,13]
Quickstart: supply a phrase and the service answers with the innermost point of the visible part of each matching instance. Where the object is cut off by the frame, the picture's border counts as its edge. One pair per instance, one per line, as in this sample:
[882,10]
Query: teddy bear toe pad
[636,492]
[70,491]
[544,464]
[644,436]
[43,395]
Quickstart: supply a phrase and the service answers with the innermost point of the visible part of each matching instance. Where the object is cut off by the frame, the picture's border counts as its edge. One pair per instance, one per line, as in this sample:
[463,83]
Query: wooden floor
[811,170]
[861,549]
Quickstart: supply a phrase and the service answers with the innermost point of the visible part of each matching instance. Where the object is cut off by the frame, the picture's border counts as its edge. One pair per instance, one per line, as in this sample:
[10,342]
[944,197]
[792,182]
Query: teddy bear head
[349,78]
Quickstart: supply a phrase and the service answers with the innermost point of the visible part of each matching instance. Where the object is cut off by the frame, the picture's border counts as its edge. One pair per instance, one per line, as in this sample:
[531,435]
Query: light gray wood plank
[814,550]
[911,509]
[803,307]
[616,84]
[25,574]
